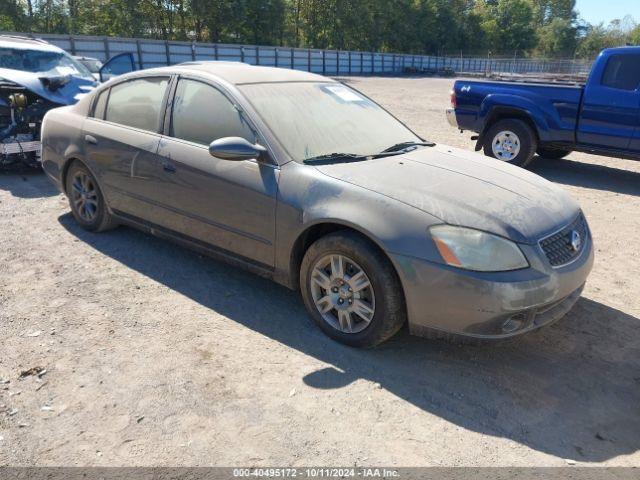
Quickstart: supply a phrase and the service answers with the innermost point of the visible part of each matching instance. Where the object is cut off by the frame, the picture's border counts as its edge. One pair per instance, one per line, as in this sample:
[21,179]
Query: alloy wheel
[342,293]
[84,196]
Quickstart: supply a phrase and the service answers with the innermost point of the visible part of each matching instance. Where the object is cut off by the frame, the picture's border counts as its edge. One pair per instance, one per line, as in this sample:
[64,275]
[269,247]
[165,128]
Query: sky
[596,11]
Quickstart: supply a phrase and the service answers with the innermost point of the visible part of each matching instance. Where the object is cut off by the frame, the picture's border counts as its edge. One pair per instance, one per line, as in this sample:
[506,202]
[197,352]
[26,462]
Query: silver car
[309,182]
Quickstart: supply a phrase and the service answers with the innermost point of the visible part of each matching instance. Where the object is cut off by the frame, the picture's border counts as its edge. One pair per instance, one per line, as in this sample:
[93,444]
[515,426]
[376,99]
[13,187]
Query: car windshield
[317,119]
[47,63]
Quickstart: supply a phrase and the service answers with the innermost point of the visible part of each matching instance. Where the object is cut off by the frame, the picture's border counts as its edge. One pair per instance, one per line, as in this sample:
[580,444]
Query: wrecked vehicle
[35,77]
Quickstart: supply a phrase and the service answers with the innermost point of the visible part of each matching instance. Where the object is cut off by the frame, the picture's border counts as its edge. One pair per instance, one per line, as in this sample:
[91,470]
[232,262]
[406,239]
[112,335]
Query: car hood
[67,94]
[467,189]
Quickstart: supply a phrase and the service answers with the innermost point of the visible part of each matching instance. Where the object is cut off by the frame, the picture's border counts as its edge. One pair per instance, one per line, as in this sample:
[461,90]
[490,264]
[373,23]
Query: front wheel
[511,140]
[351,290]
[553,153]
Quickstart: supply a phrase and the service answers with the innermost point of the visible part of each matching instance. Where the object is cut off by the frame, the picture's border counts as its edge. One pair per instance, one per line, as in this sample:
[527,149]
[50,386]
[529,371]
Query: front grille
[560,247]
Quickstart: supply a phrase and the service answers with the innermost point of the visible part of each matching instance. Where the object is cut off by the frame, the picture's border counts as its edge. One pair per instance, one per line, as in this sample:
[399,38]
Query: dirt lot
[155,355]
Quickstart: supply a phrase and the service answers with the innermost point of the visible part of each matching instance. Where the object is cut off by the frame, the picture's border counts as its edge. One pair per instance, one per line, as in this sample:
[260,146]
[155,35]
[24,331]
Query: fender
[504,105]
[73,153]
[309,202]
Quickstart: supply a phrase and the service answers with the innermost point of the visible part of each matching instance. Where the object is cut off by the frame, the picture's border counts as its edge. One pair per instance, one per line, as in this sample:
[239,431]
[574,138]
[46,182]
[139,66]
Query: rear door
[609,115]
[229,204]
[122,135]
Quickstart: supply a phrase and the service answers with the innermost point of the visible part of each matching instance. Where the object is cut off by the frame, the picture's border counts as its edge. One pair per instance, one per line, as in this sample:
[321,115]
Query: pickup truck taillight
[453,98]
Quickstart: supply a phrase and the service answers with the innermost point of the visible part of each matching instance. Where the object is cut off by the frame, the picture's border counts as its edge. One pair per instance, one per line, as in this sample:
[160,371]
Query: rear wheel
[351,290]
[553,153]
[87,203]
[511,140]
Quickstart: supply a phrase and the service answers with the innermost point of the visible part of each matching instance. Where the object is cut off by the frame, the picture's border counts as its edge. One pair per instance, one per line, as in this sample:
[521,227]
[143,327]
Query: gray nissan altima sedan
[306,181]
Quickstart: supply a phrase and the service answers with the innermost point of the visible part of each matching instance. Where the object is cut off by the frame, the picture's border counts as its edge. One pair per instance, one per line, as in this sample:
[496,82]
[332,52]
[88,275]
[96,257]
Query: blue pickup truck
[516,120]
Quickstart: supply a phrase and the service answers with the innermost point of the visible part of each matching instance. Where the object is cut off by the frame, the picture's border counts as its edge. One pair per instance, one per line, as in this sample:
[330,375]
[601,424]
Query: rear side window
[202,114]
[101,103]
[137,103]
[622,72]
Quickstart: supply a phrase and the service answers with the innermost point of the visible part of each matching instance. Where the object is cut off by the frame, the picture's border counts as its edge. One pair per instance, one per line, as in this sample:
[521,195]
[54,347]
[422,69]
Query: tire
[388,312]
[553,153]
[522,140]
[90,210]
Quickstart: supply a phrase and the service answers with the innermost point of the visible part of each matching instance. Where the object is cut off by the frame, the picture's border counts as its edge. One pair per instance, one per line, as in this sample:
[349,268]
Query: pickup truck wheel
[511,140]
[351,290]
[553,153]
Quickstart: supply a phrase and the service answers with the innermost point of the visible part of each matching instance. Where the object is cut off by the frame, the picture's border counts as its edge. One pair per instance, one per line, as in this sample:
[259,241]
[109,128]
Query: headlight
[475,250]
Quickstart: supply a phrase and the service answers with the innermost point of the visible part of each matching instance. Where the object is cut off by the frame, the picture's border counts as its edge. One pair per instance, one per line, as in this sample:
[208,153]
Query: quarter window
[622,72]
[202,114]
[137,103]
[101,103]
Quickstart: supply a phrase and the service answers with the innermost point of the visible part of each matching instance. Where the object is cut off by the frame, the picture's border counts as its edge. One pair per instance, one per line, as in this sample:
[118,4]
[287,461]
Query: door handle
[169,167]
[90,139]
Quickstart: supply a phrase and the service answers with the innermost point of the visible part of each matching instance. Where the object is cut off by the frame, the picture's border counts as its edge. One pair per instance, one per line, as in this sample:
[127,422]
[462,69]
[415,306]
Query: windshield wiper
[335,157]
[396,149]
[405,145]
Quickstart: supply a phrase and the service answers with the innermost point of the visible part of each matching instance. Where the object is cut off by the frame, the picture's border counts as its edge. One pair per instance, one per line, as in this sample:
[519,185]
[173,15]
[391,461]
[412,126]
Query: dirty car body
[480,249]
[35,77]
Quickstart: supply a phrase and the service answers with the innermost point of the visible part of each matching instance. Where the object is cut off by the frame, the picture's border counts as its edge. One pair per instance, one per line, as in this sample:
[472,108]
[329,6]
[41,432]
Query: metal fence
[154,53]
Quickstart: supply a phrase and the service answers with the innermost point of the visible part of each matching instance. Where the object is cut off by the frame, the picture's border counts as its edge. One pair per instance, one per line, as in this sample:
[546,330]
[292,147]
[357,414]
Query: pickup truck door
[609,114]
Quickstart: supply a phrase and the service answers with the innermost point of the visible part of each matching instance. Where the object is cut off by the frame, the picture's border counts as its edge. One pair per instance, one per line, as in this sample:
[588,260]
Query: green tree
[545,11]
[524,27]
[508,25]
[634,36]
[557,38]
[597,37]
[12,16]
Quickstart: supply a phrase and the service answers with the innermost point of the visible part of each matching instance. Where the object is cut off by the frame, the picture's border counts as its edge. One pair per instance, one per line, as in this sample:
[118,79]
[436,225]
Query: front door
[611,102]
[118,65]
[228,204]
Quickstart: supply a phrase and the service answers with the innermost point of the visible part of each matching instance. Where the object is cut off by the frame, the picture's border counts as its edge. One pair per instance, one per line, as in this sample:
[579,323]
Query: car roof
[238,73]
[11,41]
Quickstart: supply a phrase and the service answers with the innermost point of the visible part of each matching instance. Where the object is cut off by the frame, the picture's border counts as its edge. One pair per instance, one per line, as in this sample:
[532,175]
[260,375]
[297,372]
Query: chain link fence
[155,53]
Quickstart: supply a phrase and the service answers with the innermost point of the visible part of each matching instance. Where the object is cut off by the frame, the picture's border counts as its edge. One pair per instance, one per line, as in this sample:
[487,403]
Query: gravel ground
[155,355]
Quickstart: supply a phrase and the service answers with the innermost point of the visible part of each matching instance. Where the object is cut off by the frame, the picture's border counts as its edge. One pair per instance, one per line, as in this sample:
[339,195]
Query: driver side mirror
[236,149]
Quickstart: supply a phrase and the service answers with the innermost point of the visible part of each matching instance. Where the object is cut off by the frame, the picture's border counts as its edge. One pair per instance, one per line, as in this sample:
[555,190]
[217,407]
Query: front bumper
[451,117]
[490,305]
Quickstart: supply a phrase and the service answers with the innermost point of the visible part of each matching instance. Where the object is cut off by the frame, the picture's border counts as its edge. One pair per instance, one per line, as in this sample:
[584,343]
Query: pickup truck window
[622,72]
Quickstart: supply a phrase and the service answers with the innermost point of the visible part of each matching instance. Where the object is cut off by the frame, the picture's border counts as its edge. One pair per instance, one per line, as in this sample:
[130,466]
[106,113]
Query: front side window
[137,103]
[202,114]
[313,119]
[622,72]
